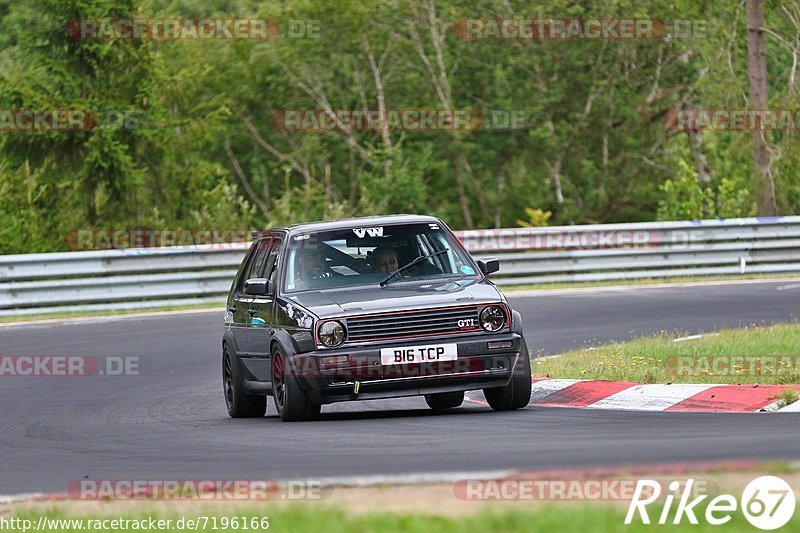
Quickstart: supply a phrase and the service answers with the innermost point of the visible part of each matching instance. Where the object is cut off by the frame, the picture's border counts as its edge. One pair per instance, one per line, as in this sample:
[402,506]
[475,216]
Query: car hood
[397,297]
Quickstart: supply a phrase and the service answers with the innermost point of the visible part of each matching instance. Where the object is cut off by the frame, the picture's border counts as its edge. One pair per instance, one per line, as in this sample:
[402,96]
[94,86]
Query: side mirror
[489,265]
[256,286]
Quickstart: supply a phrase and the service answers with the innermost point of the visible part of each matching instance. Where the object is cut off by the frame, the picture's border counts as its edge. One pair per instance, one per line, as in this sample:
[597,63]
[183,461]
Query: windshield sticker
[468,270]
[433,226]
[302,237]
[372,232]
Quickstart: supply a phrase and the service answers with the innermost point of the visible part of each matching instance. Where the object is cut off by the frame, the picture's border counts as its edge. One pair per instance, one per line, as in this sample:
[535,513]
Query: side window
[270,270]
[256,262]
[245,267]
[432,243]
[257,267]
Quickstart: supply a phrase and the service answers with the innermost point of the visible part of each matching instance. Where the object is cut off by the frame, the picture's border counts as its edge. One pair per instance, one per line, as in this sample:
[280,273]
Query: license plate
[419,354]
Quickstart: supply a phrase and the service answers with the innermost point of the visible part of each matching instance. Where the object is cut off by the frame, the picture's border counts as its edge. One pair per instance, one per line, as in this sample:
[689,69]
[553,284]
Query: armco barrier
[153,277]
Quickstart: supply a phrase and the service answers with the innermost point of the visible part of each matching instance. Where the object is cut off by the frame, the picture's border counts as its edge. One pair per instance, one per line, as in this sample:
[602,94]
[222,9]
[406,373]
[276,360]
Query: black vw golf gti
[365,308]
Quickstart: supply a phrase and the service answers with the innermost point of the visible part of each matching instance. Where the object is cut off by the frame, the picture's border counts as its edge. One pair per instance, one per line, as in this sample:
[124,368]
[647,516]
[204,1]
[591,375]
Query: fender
[252,384]
[516,327]
[300,342]
[231,340]
[516,322]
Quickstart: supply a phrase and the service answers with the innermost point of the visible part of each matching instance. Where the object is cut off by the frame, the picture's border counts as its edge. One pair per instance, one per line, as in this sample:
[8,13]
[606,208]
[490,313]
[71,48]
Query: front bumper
[363,377]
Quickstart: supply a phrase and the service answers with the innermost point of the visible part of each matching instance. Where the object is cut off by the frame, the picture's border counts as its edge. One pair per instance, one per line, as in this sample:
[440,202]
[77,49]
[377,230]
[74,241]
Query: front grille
[412,324]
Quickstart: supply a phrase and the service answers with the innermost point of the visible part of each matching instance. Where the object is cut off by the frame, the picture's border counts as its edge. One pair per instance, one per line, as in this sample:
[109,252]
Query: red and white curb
[693,397]
[621,395]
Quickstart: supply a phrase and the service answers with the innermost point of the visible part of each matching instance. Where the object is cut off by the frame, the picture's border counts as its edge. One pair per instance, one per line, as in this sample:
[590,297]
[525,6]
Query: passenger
[384,260]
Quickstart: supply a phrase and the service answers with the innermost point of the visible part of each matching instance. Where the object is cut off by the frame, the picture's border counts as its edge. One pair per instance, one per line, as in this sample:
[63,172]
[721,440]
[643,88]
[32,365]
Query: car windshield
[368,255]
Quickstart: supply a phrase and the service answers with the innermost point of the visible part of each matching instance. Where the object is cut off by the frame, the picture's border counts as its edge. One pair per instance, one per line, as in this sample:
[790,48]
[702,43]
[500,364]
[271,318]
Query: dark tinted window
[255,263]
[270,270]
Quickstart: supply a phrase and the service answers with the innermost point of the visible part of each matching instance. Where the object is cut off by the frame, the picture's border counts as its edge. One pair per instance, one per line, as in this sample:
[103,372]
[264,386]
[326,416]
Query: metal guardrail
[155,277]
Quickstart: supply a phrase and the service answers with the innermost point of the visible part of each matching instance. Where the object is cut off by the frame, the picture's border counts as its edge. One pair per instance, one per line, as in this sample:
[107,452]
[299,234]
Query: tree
[757,75]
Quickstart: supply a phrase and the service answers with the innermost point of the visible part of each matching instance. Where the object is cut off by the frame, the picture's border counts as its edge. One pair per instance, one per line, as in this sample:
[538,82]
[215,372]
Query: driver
[313,265]
[384,259]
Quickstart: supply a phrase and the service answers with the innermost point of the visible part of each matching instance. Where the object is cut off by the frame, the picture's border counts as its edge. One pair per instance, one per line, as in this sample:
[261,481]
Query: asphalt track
[169,422]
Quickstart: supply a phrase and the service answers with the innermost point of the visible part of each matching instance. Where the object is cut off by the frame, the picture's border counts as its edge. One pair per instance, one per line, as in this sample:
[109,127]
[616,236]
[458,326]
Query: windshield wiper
[416,261]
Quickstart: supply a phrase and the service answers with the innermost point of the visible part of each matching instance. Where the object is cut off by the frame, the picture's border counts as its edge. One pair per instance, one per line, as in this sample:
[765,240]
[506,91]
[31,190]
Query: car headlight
[331,333]
[493,318]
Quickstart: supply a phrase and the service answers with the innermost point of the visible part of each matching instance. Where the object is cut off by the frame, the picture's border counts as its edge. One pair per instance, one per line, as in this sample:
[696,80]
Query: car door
[235,313]
[261,308]
[241,303]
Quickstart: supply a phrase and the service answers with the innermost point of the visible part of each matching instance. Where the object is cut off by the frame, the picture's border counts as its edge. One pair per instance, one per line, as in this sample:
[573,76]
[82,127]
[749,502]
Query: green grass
[644,281]
[787,397]
[768,355]
[573,516]
[112,312]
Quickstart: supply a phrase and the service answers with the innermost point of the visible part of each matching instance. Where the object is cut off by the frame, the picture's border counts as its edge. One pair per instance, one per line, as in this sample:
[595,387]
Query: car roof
[306,227]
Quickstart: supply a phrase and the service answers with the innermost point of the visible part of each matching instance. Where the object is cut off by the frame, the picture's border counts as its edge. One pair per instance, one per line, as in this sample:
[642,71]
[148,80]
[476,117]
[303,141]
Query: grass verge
[429,507]
[676,280]
[111,312]
[766,355]
[597,517]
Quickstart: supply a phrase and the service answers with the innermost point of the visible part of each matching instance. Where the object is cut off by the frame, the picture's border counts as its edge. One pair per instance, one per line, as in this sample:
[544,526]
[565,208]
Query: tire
[517,394]
[444,400]
[240,404]
[291,401]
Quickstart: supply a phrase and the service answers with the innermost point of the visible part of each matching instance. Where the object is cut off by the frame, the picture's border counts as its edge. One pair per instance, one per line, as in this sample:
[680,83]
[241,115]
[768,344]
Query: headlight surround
[331,333]
[493,318]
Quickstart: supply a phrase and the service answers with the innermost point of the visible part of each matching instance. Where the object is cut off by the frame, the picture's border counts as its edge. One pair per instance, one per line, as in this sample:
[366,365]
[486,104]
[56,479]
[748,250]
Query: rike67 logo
[767,502]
